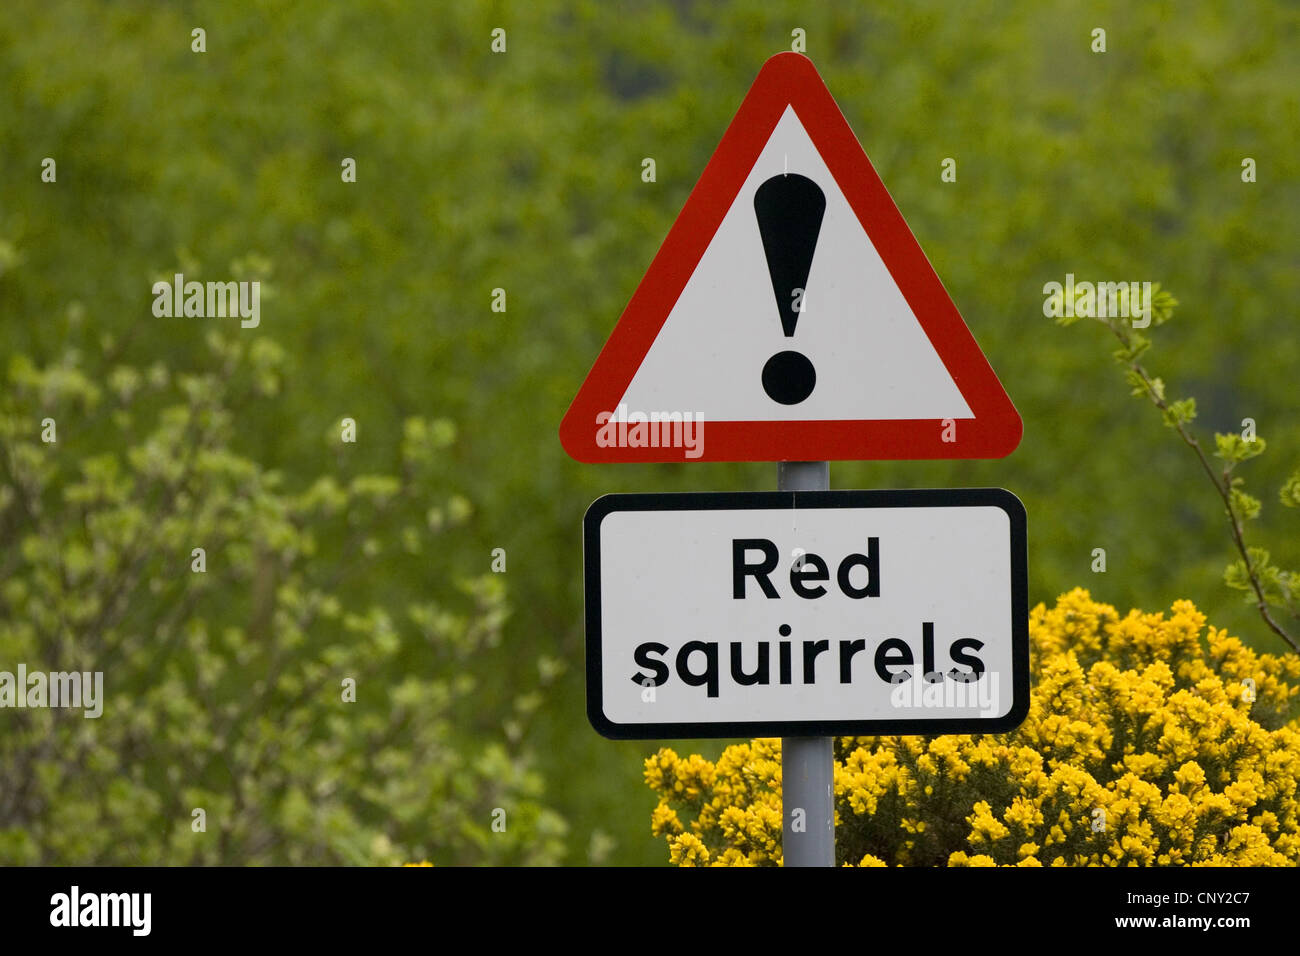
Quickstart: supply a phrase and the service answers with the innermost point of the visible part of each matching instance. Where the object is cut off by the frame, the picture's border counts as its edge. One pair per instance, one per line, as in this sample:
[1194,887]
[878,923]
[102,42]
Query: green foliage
[1242,504]
[1232,448]
[224,682]
[1289,494]
[1273,583]
[1181,411]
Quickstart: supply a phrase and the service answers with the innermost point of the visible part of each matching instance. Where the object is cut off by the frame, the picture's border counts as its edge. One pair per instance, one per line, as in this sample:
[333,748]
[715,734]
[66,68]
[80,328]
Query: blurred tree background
[521,170]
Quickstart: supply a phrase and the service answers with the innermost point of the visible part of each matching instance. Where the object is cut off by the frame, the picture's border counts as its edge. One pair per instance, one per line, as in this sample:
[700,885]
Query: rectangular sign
[806,613]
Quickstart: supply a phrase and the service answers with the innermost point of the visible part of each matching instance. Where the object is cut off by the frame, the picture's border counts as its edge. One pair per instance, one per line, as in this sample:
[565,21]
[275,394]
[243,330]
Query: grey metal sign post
[807,763]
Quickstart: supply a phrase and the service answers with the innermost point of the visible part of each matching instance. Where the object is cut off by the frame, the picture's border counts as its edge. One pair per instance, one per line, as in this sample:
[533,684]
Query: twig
[1224,488]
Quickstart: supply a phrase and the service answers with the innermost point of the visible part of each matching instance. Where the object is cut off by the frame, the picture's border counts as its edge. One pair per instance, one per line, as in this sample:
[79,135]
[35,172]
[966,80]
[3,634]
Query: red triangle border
[789,79]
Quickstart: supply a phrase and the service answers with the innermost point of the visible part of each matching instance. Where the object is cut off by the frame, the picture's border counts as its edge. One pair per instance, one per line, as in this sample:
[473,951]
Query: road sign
[806,613]
[790,314]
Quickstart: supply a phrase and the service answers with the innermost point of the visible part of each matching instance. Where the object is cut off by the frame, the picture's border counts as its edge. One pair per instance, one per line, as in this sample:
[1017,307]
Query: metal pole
[807,763]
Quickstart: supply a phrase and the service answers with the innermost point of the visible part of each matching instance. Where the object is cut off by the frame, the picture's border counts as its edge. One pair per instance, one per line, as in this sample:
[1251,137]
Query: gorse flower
[1148,742]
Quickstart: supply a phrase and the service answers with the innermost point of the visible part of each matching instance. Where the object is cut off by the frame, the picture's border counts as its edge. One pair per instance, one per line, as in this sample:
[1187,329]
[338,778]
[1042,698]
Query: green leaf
[1136,346]
[1162,305]
[1272,580]
[1289,495]
[1179,412]
[1232,448]
[1235,576]
[1244,505]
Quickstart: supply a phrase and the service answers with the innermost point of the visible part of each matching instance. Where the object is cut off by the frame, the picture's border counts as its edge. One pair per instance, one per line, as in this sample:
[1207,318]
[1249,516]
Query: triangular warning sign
[790,315]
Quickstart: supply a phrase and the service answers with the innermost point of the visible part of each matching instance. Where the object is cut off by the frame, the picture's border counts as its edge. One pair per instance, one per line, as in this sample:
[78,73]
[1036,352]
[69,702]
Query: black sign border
[768,500]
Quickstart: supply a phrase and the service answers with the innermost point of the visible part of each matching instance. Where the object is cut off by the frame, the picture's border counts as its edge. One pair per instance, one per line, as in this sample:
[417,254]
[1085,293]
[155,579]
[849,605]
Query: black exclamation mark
[789,209]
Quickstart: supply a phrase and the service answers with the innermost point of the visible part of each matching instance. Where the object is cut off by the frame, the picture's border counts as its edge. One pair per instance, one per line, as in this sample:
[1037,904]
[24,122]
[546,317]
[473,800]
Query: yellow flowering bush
[1149,741]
